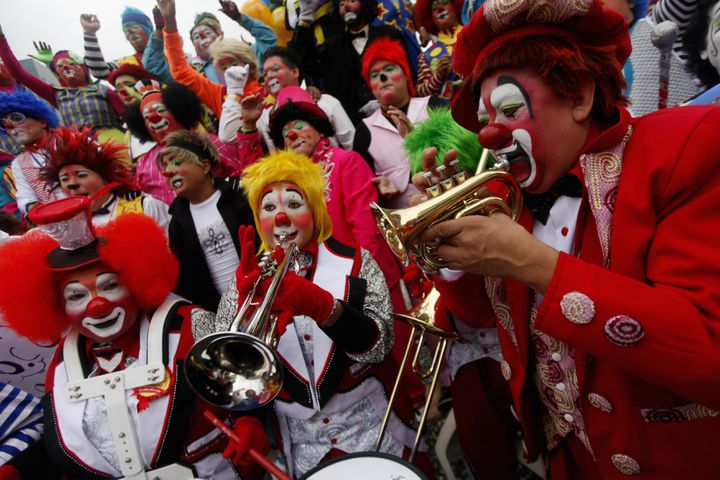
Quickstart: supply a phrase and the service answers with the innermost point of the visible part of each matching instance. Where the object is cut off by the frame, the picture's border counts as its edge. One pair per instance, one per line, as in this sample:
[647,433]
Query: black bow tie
[354,35]
[541,204]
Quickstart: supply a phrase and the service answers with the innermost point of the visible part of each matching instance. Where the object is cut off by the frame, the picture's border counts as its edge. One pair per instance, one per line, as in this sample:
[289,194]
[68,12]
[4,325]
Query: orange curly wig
[133,245]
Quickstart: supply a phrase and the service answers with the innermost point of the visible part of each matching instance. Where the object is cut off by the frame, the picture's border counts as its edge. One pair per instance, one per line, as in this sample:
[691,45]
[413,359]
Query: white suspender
[112,387]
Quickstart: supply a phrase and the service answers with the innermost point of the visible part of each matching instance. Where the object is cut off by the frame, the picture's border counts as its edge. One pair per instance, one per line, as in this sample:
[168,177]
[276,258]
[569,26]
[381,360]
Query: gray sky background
[57,22]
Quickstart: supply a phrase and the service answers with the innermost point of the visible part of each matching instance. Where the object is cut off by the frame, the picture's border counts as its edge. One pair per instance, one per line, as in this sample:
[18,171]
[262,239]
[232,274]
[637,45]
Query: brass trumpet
[454,196]
[240,370]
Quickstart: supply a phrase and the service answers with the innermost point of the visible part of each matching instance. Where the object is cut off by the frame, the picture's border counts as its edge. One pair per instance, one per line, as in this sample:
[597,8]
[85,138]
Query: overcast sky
[57,22]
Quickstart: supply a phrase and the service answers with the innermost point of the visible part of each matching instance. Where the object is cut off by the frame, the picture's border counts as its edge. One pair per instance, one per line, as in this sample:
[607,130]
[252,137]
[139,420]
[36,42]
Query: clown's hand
[298,296]
[251,434]
[230,8]
[90,23]
[43,53]
[386,187]
[429,176]
[444,67]
[307,10]
[236,78]
[167,9]
[158,19]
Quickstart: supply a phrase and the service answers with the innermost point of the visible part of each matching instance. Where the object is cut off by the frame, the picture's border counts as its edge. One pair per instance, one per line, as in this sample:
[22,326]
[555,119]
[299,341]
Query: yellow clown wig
[286,166]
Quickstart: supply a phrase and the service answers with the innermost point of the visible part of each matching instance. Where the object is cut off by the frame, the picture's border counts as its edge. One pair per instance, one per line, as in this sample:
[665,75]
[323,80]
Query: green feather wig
[442,132]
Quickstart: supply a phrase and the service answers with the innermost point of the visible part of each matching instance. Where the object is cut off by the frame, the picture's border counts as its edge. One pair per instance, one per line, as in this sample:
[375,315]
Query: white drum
[364,466]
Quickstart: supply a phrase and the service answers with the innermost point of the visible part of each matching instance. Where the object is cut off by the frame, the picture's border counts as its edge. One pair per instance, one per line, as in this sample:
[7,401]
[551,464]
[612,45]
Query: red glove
[8,472]
[248,271]
[442,317]
[298,296]
[416,281]
[252,435]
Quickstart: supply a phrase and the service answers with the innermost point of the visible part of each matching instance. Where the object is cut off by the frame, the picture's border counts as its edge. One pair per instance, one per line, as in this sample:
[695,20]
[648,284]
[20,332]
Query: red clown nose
[281,219]
[292,135]
[99,307]
[495,136]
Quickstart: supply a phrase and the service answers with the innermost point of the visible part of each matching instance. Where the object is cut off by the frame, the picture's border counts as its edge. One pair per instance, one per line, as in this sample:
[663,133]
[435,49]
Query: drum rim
[394,458]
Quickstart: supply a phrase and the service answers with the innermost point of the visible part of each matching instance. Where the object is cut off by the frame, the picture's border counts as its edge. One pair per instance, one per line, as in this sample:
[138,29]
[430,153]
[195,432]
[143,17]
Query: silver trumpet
[236,370]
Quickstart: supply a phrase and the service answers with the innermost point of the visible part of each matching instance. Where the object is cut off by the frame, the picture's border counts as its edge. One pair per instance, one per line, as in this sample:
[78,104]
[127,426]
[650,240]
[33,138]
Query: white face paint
[712,47]
[509,107]
[285,212]
[106,287]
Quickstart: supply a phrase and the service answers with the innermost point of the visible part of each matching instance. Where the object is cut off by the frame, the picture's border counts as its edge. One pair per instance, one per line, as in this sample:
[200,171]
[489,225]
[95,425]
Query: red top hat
[584,22]
[68,221]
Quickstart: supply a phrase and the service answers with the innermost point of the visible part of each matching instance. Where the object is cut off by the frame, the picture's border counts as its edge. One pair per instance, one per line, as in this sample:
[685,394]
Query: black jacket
[195,282]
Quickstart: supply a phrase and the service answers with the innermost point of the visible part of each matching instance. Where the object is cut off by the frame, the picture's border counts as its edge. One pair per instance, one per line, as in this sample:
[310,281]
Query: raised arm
[153,59]
[94,58]
[264,35]
[42,89]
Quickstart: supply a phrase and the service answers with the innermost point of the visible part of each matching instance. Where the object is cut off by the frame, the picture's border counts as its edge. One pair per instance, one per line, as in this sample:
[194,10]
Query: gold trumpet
[240,370]
[454,196]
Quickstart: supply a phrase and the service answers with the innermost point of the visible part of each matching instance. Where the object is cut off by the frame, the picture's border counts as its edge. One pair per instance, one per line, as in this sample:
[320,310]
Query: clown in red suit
[605,293]
[116,405]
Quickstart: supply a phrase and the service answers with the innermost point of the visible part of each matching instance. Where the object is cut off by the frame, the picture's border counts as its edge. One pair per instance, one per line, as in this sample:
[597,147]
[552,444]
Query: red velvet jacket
[646,329]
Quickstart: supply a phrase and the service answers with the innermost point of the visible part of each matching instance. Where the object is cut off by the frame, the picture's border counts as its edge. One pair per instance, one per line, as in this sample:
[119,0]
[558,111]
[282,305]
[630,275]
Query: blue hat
[29,105]
[134,15]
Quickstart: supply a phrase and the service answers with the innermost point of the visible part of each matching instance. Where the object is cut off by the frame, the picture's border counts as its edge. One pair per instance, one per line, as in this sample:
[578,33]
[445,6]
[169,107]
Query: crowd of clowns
[143,201]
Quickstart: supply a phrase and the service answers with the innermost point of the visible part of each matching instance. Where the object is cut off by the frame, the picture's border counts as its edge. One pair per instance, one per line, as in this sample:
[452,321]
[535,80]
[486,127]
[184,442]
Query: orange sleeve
[210,93]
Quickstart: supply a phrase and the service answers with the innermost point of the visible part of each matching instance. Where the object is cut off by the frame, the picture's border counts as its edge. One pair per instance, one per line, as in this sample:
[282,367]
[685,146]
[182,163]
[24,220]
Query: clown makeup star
[136,35]
[349,11]
[712,48]
[301,137]
[444,15]
[284,211]
[202,37]
[97,303]
[388,82]
[527,125]
[158,119]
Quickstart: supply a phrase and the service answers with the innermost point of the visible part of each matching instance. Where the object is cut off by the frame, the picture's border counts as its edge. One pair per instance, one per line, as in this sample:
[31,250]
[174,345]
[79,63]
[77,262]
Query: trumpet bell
[234,370]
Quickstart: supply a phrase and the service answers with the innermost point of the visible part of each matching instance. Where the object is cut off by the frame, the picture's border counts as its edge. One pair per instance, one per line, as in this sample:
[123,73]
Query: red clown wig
[390,50]
[133,246]
[70,146]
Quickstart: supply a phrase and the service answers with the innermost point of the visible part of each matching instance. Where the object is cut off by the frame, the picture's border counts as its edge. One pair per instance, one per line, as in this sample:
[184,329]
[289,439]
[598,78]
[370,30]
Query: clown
[115,405]
[79,101]
[225,53]
[137,28]
[438,17]
[125,77]
[80,165]
[334,318]
[159,113]
[379,137]
[604,294]
[27,119]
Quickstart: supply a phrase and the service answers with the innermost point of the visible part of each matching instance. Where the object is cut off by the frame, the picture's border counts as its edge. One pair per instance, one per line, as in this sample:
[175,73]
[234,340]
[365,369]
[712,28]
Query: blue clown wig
[134,15]
[29,105]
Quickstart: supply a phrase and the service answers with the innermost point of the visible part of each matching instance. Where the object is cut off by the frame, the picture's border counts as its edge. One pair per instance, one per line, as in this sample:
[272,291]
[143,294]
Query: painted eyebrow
[507,79]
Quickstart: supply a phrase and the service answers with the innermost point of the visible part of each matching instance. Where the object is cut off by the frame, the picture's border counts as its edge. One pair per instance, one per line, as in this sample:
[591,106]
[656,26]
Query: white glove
[236,78]
[307,10]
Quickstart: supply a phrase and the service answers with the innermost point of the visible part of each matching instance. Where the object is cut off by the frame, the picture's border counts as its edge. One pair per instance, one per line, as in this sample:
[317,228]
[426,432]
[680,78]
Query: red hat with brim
[135,71]
[424,17]
[584,22]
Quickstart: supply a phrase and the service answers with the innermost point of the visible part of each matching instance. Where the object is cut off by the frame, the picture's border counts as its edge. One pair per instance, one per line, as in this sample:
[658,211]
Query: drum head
[364,466]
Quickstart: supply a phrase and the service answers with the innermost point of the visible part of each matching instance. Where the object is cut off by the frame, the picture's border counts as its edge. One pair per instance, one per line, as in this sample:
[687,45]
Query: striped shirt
[87,106]
[679,12]
[21,421]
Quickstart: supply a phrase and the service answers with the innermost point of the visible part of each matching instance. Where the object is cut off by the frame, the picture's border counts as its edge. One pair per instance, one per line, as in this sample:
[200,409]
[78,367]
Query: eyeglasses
[14,118]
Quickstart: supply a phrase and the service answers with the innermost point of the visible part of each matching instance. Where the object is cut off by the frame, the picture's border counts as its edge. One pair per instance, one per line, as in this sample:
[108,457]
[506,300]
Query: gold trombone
[454,196]
[240,370]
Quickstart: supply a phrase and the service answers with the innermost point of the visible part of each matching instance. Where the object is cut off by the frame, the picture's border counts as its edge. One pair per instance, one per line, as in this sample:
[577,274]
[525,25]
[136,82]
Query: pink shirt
[348,192]
[149,177]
